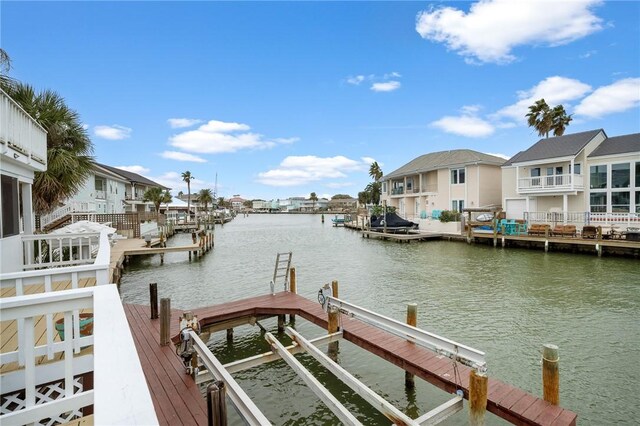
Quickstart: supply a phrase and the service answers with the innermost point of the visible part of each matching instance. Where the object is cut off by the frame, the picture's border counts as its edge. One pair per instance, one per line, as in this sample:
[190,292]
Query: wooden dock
[401,238]
[171,387]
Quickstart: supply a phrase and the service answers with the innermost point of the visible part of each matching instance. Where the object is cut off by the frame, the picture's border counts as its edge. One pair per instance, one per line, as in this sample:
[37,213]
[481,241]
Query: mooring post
[153,296]
[333,327]
[550,374]
[412,319]
[229,335]
[281,323]
[293,289]
[477,397]
[165,321]
[162,258]
[334,289]
[217,404]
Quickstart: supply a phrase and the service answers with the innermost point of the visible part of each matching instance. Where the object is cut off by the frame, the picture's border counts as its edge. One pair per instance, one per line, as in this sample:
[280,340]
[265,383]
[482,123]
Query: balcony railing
[554,183]
[49,387]
[72,207]
[584,218]
[22,133]
[397,191]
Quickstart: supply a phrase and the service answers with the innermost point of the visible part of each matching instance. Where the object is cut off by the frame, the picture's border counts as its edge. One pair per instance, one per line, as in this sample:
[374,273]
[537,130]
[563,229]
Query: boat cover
[392,221]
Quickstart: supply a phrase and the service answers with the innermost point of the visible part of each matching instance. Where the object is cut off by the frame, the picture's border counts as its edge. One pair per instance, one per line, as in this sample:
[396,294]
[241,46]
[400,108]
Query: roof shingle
[559,146]
[618,145]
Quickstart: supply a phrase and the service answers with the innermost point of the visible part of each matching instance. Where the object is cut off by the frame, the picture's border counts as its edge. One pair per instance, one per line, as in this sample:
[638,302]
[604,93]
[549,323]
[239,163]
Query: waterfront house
[49,277]
[342,204]
[134,191]
[446,180]
[237,203]
[580,177]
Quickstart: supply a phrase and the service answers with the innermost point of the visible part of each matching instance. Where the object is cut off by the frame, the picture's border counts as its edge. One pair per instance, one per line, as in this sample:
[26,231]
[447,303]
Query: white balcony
[551,184]
[22,139]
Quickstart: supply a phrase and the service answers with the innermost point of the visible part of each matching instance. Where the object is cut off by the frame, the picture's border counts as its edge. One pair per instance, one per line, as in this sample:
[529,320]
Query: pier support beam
[334,289]
[550,374]
[293,288]
[165,321]
[478,384]
[217,404]
[333,326]
[412,319]
[281,323]
[229,335]
[153,297]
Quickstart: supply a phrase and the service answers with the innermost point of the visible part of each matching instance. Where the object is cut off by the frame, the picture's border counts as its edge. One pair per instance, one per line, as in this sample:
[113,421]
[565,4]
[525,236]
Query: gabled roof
[618,145]
[443,160]
[132,177]
[559,146]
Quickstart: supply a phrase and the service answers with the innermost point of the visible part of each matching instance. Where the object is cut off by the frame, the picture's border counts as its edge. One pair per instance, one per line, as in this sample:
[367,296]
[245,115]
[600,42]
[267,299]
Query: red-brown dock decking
[167,379]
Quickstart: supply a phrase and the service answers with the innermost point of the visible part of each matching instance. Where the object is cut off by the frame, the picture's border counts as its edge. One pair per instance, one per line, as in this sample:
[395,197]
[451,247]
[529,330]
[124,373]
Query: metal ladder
[281,270]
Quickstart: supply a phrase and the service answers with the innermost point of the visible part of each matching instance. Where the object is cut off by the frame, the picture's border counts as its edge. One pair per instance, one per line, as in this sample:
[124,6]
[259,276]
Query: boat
[337,221]
[391,222]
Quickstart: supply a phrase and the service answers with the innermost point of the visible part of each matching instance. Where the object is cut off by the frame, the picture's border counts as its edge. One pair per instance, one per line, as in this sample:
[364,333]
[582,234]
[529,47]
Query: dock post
[334,289]
[216,404]
[477,397]
[229,335]
[153,296]
[293,289]
[550,374]
[333,327]
[193,237]
[281,319]
[162,258]
[165,321]
[412,319]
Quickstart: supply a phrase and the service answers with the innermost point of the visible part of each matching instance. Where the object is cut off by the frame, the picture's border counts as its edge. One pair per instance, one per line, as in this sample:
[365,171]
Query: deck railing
[584,218]
[67,209]
[119,395]
[21,132]
[55,250]
[551,183]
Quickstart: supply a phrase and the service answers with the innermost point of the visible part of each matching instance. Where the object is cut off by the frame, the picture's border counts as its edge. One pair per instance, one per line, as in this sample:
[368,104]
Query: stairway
[281,270]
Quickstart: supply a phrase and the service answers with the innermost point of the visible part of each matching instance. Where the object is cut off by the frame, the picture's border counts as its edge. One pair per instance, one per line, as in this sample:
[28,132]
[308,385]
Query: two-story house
[446,180]
[573,177]
[135,188]
[23,151]
[103,192]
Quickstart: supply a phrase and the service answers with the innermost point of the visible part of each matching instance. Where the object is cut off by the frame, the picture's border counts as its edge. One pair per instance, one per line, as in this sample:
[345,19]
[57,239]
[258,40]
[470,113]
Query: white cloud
[299,170]
[141,170]
[337,185]
[174,181]
[114,132]
[506,157]
[620,96]
[493,28]
[217,137]
[387,86]
[356,80]
[588,54]
[555,90]
[178,123]
[182,156]
[465,125]
[390,75]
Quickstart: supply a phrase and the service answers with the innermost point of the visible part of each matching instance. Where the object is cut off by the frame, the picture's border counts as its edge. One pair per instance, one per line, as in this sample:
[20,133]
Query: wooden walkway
[166,377]
[401,238]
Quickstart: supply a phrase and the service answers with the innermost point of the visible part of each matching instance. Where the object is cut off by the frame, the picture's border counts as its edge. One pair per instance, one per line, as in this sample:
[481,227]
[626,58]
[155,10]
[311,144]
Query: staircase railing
[73,207]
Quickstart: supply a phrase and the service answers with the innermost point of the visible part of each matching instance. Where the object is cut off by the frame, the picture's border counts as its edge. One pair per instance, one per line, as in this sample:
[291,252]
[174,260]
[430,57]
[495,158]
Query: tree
[341,197]
[205,196]
[313,197]
[375,171]
[69,149]
[186,176]
[167,198]
[157,196]
[364,197]
[374,192]
[6,82]
[544,119]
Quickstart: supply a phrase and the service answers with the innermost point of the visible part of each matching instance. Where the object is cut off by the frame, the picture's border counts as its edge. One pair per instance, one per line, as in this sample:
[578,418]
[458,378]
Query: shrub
[449,216]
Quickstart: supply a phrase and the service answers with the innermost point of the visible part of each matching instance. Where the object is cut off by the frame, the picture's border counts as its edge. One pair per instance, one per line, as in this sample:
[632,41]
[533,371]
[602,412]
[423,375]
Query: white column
[572,173]
[27,208]
[565,207]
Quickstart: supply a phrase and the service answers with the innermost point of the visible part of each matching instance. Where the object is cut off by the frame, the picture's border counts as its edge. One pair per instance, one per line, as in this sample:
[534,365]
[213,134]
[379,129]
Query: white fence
[584,218]
[120,395]
[550,183]
[72,207]
[55,250]
[21,132]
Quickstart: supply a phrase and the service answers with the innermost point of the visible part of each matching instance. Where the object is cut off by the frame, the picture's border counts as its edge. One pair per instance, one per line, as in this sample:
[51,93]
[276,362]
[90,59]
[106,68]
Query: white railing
[119,395]
[97,270]
[55,250]
[551,183]
[72,207]
[628,219]
[21,132]
[584,218]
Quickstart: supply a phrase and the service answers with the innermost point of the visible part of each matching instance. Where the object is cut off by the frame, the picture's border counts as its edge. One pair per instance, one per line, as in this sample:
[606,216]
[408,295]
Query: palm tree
[540,118]
[374,192]
[375,171]
[205,196]
[156,196]
[559,120]
[69,149]
[167,198]
[186,176]
[6,82]
[313,197]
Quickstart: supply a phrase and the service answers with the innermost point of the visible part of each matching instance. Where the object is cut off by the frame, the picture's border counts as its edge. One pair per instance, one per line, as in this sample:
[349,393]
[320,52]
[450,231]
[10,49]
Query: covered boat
[392,223]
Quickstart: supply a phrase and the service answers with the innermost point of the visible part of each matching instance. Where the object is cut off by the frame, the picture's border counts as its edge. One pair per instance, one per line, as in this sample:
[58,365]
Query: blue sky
[284,98]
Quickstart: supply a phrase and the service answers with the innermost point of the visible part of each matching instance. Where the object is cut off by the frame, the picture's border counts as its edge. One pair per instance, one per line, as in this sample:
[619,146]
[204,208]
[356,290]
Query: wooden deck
[166,377]
[412,236]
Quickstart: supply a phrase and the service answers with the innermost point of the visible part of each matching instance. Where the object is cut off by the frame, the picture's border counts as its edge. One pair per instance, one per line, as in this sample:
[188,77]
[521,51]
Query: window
[535,174]
[99,185]
[637,200]
[10,207]
[620,202]
[457,205]
[577,169]
[637,176]
[598,202]
[457,176]
[620,175]
[598,177]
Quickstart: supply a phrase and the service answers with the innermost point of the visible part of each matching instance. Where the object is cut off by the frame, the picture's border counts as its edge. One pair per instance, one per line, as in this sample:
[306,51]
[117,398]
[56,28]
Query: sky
[277,99]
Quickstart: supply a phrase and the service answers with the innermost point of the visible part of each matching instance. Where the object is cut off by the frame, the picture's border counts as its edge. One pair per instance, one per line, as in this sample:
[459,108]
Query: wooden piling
[550,374]
[292,281]
[334,289]
[217,404]
[165,321]
[477,398]
[333,325]
[153,296]
[229,335]
[281,323]
[412,319]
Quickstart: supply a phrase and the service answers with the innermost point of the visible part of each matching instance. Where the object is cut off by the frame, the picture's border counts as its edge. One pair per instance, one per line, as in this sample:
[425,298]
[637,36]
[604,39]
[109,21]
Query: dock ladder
[281,270]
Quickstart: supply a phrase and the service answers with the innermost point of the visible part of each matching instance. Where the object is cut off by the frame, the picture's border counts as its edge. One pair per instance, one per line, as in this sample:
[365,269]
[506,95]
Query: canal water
[505,302]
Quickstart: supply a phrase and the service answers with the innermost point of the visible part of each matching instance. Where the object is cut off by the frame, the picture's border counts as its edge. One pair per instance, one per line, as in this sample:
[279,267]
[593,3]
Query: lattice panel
[51,392]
